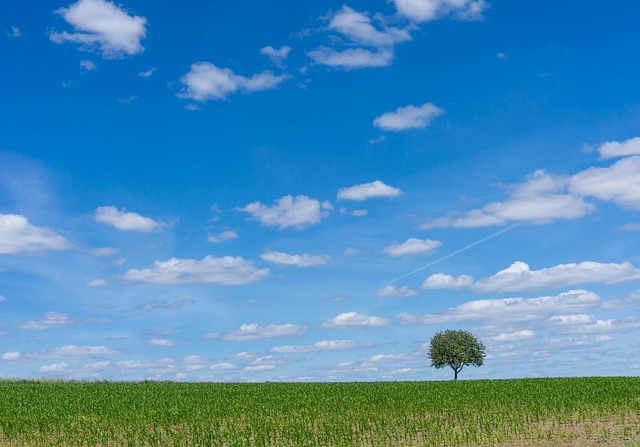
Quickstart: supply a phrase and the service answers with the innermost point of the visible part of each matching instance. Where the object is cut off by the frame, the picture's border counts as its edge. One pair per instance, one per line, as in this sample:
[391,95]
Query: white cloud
[519,277]
[103,26]
[3,298]
[163,304]
[147,74]
[540,199]
[222,366]
[87,65]
[572,319]
[502,56]
[353,319]
[303,260]
[297,212]
[443,281]
[365,191]
[359,213]
[612,149]
[630,227]
[104,251]
[429,10]
[10,356]
[325,345]
[604,326]
[253,331]
[17,235]
[617,183]
[161,342]
[228,270]
[390,291]
[413,247]
[14,32]
[206,82]
[73,352]
[510,309]
[277,56]
[124,220]
[409,117]
[580,342]
[352,58]
[54,367]
[49,320]
[512,336]
[97,283]
[358,28]
[221,237]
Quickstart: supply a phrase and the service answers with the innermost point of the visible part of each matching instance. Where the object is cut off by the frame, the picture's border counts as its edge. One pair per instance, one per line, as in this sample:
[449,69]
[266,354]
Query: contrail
[473,244]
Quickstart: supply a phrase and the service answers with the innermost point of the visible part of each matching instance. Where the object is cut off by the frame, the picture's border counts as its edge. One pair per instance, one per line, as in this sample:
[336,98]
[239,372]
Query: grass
[575,411]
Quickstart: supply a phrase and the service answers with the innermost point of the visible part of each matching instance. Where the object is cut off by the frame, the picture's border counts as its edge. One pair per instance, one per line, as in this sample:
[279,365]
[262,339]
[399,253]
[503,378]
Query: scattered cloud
[148,73]
[524,334]
[14,32]
[223,236]
[617,183]
[430,10]
[366,191]
[612,149]
[125,220]
[297,212]
[128,100]
[353,319]
[253,331]
[17,236]
[631,227]
[102,26]
[3,298]
[97,283]
[409,117]
[103,251]
[303,260]
[443,281]
[49,320]
[390,291]
[502,56]
[206,82]
[359,213]
[352,58]
[413,247]
[87,66]
[228,270]
[519,277]
[358,28]
[277,56]
[161,342]
[325,345]
[540,199]
[510,309]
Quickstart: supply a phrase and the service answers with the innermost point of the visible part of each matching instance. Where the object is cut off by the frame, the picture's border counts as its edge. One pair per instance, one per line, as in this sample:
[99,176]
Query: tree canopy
[456,349]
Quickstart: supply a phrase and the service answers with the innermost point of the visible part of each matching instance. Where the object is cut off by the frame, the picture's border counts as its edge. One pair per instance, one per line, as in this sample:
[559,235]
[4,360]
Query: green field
[528,412]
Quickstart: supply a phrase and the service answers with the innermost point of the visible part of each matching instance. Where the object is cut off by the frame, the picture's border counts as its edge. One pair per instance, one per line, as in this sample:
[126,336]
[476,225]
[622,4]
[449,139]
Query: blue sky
[298,191]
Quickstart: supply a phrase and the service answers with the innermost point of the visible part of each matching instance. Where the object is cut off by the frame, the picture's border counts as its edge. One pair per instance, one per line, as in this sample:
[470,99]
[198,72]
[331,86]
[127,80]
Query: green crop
[578,411]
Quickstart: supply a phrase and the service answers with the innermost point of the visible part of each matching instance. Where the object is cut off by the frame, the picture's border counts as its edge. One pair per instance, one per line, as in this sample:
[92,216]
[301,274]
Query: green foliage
[543,412]
[456,349]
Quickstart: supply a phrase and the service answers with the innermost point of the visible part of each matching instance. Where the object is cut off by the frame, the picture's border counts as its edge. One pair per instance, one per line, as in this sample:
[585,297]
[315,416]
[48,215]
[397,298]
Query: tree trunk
[455,375]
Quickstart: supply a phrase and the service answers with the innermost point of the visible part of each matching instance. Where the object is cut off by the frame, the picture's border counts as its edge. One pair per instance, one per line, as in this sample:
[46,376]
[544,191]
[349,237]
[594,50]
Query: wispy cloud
[325,345]
[286,259]
[17,235]
[277,56]
[253,331]
[49,320]
[409,117]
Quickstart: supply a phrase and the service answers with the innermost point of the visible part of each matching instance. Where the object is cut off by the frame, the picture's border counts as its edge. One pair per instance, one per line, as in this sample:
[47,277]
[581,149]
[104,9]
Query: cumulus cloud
[17,235]
[125,220]
[102,26]
[510,309]
[277,56]
[541,199]
[366,191]
[297,212]
[409,117]
[413,247]
[444,281]
[161,342]
[228,270]
[303,260]
[429,10]
[603,326]
[617,183]
[353,319]
[352,58]
[11,356]
[221,237]
[87,66]
[519,277]
[325,345]
[206,82]
[374,44]
[512,336]
[253,331]
[390,291]
[49,320]
[612,149]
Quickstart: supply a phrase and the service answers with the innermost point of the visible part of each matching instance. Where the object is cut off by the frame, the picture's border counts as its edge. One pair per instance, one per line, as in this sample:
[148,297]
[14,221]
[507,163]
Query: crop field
[529,412]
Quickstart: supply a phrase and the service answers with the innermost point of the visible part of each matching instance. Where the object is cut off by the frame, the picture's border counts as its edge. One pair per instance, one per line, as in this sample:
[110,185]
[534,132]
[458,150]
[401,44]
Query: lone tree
[456,349]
